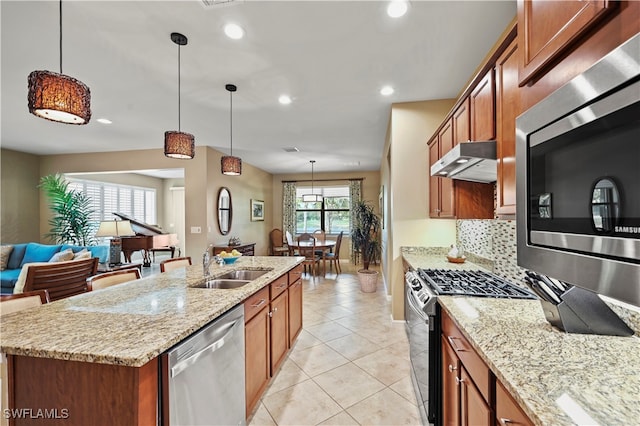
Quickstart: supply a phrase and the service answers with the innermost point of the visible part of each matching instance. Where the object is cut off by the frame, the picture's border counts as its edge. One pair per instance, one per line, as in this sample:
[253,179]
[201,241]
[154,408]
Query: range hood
[474,161]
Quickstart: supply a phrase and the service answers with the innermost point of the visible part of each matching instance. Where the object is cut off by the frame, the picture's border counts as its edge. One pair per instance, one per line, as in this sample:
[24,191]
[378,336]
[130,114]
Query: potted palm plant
[71,212]
[364,237]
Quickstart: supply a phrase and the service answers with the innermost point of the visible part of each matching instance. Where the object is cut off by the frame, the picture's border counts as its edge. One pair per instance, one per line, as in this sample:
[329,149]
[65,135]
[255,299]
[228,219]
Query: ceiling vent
[208,4]
[291,149]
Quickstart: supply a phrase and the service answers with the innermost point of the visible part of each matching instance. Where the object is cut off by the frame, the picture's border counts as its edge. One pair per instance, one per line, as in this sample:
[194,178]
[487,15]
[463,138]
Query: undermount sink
[223,283]
[243,274]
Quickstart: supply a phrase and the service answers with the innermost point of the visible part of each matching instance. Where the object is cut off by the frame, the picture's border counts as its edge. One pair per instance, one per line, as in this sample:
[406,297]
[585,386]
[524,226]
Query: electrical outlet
[196,230]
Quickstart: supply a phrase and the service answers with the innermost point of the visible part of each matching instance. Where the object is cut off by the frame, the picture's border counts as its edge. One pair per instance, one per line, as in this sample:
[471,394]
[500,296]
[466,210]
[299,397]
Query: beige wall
[412,124]
[20,202]
[370,190]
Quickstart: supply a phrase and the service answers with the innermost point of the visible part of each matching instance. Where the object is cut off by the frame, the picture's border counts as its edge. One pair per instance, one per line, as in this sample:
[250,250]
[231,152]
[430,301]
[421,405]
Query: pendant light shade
[179,144]
[230,165]
[312,198]
[58,97]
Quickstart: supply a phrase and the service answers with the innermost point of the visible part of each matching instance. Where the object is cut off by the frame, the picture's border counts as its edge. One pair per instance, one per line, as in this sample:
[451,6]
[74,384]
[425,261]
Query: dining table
[320,245]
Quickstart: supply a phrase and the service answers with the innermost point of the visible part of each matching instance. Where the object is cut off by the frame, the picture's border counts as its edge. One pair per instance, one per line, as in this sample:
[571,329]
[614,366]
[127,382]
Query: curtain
[289,207]
[355,195]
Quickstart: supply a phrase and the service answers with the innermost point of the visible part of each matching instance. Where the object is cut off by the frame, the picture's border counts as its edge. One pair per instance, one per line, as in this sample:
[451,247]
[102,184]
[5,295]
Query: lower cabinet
[273,320]
[471,395]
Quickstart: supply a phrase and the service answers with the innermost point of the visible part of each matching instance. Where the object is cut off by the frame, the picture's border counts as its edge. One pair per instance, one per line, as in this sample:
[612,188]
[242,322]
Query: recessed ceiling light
[284,99]
[397,8]
[386,90]
[234,31]
[104,121]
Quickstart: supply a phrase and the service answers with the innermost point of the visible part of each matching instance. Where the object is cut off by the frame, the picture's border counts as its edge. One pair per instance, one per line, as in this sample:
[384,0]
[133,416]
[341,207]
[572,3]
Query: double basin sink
[232,279]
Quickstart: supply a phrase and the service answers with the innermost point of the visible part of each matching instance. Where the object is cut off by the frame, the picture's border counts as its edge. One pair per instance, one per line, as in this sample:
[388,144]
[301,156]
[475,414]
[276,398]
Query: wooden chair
[61,279]
[175,263]
[108,279]
[319,235]
[309,252]
[334,258]
[10,303]
[292,250]
[276,246]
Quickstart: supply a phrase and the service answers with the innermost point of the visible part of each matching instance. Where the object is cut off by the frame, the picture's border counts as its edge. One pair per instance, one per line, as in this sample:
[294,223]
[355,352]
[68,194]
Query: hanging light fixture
[179,144]
[231,165]
[312,198]
[58,97]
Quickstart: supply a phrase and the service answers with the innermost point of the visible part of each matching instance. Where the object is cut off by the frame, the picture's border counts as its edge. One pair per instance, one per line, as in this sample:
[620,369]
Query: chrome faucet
[207,259]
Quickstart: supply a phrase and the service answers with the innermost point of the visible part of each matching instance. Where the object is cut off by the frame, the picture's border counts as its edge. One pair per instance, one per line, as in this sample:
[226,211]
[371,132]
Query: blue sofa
[35,252]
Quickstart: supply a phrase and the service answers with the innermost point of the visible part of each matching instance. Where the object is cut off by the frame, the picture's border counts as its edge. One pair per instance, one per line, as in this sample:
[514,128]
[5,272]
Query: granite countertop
[131,323]
[553,375]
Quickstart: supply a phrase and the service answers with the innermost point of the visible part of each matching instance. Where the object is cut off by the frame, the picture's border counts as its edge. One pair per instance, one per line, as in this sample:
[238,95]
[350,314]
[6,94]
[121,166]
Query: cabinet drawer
[295,274]
[508,412]
[255,303]
[472,362]
[279,285]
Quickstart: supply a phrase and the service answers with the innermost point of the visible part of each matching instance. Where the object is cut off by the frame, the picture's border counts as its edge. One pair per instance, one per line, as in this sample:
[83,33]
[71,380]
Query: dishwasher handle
[186,363]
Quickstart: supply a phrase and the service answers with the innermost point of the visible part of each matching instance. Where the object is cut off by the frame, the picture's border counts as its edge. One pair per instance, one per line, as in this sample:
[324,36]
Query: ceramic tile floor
[350,364]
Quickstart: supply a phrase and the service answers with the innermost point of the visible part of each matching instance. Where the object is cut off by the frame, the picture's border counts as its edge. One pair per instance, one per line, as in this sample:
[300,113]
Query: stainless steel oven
[578,179]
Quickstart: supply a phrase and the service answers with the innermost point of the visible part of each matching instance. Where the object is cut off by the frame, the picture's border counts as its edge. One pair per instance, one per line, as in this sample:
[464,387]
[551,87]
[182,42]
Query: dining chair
[334,258]
[10,303]
[309,252]
[292,249]
[319,235]
[175,263]
[108,279]
[276,246]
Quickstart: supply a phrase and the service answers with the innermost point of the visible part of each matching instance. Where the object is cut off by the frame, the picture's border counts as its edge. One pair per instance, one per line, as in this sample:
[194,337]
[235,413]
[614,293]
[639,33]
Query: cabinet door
[295,310]
[279,316]
[508,413]
[447,206]
[474,410]
[257,361]
[547,29]
[461,125]
[450,387]
[434,182]
[507,108]
[482,106]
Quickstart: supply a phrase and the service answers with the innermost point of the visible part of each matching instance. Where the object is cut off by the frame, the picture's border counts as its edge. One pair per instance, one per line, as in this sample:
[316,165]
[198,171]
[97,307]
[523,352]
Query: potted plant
[71,212]
[364,237]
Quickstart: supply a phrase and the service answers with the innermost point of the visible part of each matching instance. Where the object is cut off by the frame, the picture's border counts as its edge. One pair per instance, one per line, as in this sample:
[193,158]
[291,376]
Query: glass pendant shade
[231,165]
[179,145]
[312,198]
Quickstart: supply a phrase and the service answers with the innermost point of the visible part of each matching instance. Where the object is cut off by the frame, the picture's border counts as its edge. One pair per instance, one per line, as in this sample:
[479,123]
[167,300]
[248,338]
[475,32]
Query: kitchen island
[116,335]
[556,378]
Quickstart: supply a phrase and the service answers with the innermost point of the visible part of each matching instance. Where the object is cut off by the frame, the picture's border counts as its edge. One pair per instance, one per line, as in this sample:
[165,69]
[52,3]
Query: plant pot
[368,280]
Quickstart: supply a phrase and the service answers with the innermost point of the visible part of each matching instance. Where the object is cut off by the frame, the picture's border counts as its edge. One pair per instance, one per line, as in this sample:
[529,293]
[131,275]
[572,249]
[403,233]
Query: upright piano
[148,238]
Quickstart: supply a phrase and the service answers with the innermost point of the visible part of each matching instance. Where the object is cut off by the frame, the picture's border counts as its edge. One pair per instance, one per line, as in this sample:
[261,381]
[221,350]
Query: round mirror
[225,210]
[605,205]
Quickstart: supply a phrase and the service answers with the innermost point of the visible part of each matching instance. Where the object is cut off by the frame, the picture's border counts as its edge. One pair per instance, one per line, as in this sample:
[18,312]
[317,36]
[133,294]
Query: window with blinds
[107,198]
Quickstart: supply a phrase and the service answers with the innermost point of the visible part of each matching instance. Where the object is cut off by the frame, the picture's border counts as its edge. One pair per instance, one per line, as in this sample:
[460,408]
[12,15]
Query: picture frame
[257,210]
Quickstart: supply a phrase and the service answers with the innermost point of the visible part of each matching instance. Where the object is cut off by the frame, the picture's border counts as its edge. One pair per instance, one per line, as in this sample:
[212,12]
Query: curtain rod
[320,180]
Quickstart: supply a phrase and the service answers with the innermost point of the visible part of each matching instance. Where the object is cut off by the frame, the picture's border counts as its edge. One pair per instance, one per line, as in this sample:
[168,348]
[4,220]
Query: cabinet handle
[504,421]
[261,302]
[459,381]
[281,286]
[454,345]
[452,368]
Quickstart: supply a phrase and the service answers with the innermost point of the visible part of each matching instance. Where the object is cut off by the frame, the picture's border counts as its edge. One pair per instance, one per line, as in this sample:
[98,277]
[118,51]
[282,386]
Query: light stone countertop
[132,323]
[547,371]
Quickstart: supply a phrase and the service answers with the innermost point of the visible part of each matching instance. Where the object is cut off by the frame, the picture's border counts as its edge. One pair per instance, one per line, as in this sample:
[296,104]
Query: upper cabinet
[461,123]
[483,111]
[547,29]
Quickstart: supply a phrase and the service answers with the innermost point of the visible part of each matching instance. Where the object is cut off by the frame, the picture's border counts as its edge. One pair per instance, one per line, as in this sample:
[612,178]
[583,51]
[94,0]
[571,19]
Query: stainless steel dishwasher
[205,377]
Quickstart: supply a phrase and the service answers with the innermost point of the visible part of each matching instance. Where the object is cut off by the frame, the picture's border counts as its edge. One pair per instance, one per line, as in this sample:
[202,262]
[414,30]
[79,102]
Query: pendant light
[58,97]
[231,165]
[179,144]
[312,198]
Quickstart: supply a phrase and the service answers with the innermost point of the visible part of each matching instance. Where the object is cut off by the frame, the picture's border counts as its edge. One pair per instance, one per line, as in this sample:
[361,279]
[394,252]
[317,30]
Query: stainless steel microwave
[578,179]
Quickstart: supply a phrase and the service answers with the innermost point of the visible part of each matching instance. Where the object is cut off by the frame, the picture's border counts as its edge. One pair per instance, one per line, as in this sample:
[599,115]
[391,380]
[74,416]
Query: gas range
[444,282]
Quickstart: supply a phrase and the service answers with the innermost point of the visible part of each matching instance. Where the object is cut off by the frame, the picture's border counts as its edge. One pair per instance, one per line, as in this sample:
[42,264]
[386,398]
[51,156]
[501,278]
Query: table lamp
[115,229]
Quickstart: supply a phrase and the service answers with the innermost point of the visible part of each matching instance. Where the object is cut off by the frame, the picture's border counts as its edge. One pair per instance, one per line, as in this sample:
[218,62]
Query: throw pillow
[62,256]
[82,254]
[39,252]
[5,252]
[15,259]
[22,278]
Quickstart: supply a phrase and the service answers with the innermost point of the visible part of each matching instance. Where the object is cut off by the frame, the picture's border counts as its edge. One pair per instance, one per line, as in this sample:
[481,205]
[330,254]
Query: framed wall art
[257,210]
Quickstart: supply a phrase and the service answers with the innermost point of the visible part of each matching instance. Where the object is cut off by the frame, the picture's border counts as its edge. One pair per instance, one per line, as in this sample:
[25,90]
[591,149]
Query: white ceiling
[331,57]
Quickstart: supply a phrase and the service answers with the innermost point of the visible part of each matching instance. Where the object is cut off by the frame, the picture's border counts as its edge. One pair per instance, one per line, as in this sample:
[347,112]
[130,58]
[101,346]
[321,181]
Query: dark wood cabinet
[461,123]
[295,303]
[508,412]
[474,410]
[247,249]
[450,387]
[441,197]
[507,109]
[482,108]
[256,346]
[279,316]
[548,29]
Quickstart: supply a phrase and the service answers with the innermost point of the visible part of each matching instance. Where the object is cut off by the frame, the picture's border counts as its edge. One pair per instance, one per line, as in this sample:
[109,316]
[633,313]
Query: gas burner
[446,282]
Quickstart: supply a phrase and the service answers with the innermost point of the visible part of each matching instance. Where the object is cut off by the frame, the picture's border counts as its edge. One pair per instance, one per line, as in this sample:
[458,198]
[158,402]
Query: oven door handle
[412,304]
